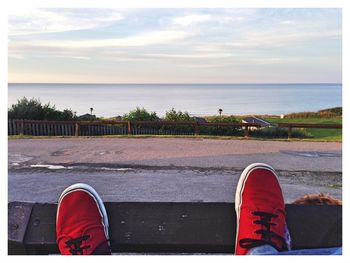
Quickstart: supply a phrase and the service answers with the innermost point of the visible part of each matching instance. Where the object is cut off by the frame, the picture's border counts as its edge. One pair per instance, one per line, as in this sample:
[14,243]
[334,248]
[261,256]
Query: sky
[175,46]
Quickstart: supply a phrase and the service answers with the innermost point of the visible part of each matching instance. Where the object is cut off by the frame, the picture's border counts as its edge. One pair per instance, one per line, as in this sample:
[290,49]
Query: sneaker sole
[240,187]
[92,192]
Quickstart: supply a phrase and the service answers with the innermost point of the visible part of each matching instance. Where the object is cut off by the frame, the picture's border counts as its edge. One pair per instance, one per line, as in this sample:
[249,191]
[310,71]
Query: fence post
[196,129]
[22,128]
[9,127]
[246,131]
[289,132]
[15,128]
[77,129]
[129,128]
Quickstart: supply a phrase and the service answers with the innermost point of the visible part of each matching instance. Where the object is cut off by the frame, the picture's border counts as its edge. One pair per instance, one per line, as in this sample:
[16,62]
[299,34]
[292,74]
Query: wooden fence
[290,126]
[100,128]
[97,128]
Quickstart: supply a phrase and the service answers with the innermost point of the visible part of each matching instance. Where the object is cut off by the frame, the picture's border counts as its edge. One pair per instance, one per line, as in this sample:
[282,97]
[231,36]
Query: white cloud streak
[191,19]
[143,39]
[40,21]
[279,39]
[192,56]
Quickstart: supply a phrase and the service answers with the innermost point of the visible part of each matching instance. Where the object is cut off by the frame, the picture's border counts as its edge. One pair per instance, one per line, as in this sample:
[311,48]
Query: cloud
[221,18]
[75,57]
[191,19]
[40,21]
[170,40]
[288,22]
[192,56]
[280,39]
[16,56]
[273,61]
[143,39]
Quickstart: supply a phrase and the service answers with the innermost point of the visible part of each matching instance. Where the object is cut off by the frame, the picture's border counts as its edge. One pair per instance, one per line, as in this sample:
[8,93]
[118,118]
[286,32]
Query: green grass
[199,137]
[320,134]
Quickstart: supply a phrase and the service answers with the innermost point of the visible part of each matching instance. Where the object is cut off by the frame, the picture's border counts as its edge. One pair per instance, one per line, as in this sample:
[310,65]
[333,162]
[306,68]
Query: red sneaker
[82,222]
[260,210]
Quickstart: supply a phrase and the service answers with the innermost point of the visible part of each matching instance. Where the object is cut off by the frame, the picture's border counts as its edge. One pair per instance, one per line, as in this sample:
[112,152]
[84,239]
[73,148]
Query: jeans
[269,250]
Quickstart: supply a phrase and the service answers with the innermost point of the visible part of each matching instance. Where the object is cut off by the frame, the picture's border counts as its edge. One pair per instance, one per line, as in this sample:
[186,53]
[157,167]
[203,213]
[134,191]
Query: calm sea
[110,100]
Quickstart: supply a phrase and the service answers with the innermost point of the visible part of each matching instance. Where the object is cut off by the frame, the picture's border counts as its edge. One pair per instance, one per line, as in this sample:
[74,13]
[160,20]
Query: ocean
[109,100]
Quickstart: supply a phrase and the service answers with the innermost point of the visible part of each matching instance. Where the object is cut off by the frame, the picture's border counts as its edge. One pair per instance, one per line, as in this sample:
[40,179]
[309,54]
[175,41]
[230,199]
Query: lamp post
[220,111]
[91,109]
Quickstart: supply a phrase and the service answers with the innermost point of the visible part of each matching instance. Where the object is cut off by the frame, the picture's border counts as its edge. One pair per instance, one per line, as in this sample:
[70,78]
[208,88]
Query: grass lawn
[323,134]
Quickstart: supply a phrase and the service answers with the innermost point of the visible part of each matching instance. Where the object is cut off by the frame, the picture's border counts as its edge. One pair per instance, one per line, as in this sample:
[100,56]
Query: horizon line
[182,83]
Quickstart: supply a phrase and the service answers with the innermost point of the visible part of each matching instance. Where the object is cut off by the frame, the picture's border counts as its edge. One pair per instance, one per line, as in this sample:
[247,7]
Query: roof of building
[86,116]
[199,119]
[257,120]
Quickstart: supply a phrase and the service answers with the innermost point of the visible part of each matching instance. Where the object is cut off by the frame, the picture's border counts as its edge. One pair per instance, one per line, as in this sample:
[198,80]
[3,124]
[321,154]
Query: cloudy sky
[175,45]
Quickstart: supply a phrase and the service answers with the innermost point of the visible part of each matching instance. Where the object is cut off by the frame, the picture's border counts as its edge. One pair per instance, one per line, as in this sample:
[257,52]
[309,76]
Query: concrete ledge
[169,227]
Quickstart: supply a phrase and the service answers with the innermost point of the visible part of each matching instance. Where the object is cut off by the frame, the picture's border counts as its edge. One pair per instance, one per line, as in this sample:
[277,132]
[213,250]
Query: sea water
[109,100]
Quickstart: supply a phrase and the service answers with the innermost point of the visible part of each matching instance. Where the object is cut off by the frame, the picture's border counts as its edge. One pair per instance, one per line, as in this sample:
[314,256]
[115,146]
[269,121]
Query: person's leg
[269,250]
[314,251]
[82,222]
[260,210]
[263,250]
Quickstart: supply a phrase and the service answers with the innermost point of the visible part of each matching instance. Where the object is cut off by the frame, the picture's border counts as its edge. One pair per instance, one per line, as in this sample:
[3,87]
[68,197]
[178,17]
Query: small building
[255,120]
[199,119]
[86,117]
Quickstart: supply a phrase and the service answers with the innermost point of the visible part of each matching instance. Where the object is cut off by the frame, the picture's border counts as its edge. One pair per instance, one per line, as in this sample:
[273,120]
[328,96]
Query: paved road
[291,156]
[159,185]
[178,170]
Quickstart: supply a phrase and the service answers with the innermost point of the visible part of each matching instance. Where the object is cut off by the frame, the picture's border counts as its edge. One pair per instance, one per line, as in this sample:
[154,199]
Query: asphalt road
[159,185]
[204,153]
[168,170]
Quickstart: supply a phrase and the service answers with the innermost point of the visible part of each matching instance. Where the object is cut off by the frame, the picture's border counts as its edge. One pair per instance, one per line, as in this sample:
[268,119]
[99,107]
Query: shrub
[301,133]
[337,110]
[173,115]
[140,115]
[33,109]
[223,131]
[277,132]
[326,113]
[229,118]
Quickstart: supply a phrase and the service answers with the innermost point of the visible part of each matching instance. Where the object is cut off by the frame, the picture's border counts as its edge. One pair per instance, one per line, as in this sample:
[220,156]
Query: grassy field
[321,134]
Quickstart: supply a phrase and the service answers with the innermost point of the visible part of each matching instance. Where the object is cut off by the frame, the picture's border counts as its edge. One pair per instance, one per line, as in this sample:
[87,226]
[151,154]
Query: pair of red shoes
[82,222]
